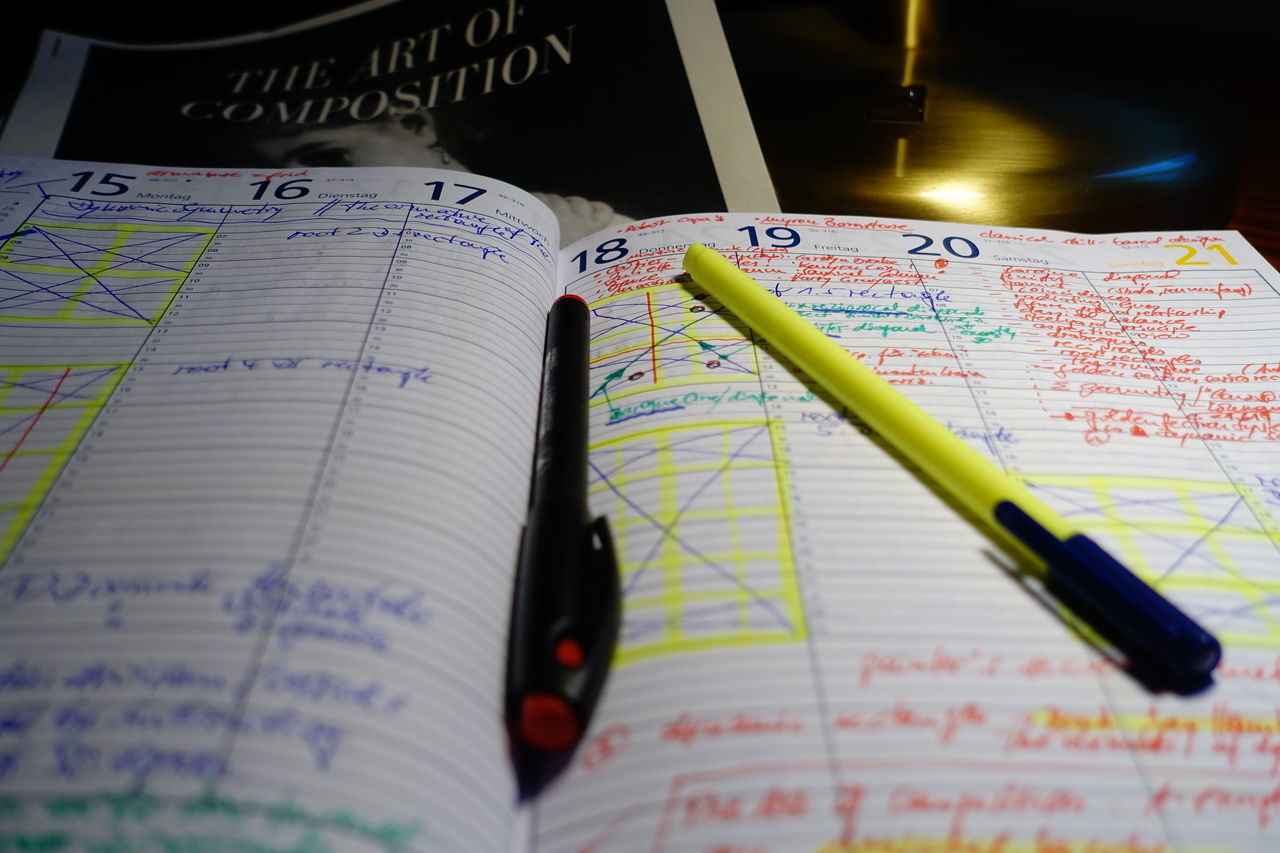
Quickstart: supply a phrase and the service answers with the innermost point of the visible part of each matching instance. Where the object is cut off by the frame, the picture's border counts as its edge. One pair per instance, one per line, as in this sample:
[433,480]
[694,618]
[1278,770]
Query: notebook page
[264,467]
[818,653]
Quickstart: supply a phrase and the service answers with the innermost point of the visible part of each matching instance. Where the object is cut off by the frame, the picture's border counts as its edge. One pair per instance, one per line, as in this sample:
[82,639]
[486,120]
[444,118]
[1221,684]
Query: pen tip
[536,769]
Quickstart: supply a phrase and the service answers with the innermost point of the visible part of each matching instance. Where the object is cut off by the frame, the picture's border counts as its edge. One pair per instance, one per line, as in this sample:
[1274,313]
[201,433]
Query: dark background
[1083,115]
[575,130]
[1119,83]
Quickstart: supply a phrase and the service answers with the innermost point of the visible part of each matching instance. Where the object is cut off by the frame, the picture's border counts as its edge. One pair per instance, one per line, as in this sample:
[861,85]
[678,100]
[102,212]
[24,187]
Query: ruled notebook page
[818,653]
[265,463]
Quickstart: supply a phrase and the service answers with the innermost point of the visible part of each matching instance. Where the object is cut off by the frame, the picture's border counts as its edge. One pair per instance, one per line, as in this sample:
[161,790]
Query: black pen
[567,603]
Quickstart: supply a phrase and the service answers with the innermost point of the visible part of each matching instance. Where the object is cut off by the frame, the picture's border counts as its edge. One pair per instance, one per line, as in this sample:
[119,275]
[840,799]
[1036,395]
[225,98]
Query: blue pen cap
[1165,648]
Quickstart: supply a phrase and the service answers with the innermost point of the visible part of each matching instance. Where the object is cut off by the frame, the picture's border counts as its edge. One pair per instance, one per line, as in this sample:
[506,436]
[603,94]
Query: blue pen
[1163,647]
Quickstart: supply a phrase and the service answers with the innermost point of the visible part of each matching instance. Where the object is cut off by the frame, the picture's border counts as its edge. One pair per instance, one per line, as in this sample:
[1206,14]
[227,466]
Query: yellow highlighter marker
[1164,647]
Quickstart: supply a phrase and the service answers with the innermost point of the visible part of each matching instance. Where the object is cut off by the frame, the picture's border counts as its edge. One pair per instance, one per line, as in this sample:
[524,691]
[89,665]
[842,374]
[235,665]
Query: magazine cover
[589,108]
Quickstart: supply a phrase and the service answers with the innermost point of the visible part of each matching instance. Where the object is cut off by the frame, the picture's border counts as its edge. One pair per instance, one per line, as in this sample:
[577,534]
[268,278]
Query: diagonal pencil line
[620,362]
[672,332]
[125,284]
[1254,607]
[93,374]
[712,477]
[92,277]
[633,457]
[60,297]
[1173,567]
[644,352]
[62,395]
[163,243]
[1067,494]
[633,628]
[1084,508]
[55,296]
[34,420]
[621,322]
[667,531]
[72,281]
[125,259]
[23,293]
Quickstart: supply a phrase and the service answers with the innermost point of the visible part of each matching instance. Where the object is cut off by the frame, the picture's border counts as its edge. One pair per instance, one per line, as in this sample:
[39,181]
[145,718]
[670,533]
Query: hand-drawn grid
[698,509]
[702,529]
[44,411]
[110,273]
[662,336]
[1189,539]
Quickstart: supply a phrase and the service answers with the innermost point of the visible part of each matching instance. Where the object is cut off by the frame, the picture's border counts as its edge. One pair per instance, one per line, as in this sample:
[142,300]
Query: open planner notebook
[266,441]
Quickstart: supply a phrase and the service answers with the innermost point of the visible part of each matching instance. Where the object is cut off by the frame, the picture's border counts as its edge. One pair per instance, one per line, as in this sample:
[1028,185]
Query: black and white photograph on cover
[408,140]
[586,105]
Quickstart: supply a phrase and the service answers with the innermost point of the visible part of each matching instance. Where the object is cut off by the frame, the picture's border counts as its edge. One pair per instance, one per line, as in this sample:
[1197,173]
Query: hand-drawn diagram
[100,273]
[1198,542]
[686,499]
[103,274]
[662,337]
[44,411]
